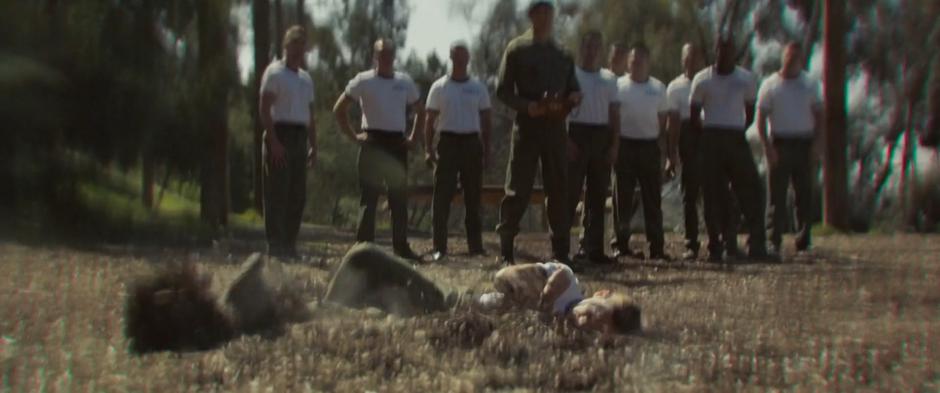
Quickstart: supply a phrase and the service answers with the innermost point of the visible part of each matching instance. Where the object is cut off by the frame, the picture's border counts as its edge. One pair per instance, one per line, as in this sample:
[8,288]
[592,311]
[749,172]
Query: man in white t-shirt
[688,143]
[290,143]
[643,109]
[616,68]
[722,108]
[593,137]
[789,101]
[458,108]
[386,98]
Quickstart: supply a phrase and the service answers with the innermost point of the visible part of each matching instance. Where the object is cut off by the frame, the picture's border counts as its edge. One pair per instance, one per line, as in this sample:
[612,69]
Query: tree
[301,14]
[278,28]
[260,20]
[214,66]
[836,203]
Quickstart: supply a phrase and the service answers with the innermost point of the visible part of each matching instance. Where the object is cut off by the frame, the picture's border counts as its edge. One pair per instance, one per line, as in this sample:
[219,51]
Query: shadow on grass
[646,283]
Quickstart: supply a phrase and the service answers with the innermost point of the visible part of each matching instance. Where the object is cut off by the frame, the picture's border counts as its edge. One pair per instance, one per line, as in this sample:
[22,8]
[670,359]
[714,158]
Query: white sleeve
[413,94]
[434,97]
[765,100]
[816,91]
[750,94]
[484,97]
[672,98]
[354,88]
[612,91]
[313,89]
[697,95]
[269,82]
[663,105]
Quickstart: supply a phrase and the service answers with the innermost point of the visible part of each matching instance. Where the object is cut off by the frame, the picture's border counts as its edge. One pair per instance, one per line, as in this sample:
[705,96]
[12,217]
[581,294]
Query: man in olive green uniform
[537,80]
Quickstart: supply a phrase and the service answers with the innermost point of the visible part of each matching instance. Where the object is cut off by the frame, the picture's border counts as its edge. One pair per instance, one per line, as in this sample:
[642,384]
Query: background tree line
[151,89]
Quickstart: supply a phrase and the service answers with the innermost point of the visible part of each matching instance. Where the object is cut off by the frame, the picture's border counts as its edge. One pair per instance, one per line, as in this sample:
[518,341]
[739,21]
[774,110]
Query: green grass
[105,204]
[859,314]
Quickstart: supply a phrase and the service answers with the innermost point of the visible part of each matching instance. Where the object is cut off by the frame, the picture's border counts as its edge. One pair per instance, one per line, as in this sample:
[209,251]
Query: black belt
[793,139]
[290,126]
[593,127]
[453,134]
[724,130]
[637,141]
[385,133]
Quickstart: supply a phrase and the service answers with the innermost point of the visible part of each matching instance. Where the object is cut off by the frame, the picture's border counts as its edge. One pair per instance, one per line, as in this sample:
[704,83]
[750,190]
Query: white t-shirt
[640,107]
[723,97]
[384,101]
[789,104]
[678,96]
[598,91]
[293,93]
[607,73]
[459,104]
[572,295]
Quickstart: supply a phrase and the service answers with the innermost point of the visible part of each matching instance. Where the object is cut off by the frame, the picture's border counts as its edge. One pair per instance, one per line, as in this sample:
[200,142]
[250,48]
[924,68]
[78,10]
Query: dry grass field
[860,313]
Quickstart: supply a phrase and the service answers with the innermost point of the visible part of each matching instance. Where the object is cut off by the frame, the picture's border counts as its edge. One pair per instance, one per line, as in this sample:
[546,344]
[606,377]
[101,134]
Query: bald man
[593,133]
[643,109]
[386,98]
[688,143]
[790,104]
[458,109]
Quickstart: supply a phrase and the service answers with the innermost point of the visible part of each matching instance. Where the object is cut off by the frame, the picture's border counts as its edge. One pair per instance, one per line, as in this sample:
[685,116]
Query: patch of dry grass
[860,314]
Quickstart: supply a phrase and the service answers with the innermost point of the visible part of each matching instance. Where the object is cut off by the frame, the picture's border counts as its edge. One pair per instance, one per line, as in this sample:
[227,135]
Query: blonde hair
[294,33]
[521,283]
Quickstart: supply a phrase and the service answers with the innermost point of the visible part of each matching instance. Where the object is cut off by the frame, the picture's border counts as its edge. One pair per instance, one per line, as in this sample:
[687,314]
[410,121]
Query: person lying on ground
[552,288]
[176,309]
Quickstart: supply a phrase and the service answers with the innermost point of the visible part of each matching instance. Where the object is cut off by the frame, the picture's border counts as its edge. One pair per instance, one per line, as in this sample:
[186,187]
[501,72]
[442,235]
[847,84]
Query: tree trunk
[301,14]
[261,23]
[163,185]
[278,28]
[146,187]
[904,184]
[212,28]
[835,167]
[812,30]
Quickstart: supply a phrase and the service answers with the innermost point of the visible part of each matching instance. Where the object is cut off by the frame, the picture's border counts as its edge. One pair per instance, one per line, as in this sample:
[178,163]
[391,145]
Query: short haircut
[459,44]
[793,45]
[592,33]
[382,44]
[626,315]
[294,33]
[688,49]
[640,48]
